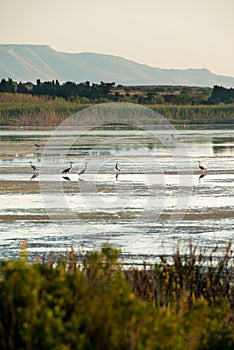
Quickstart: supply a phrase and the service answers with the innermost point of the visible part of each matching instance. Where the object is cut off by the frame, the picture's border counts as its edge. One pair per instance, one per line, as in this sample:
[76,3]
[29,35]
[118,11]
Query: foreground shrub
[99,305]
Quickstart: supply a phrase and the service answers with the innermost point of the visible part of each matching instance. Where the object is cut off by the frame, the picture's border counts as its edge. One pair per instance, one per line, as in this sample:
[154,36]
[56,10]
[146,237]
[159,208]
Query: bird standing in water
[32,166]
[65,171]
[117,168]
[84,170]
[201,167]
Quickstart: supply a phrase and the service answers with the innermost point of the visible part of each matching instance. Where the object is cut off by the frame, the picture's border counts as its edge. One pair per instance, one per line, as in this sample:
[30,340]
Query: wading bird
[173,137]
[117,168]
[84,170]
[32,166]
[200,166]
[37,146]
[65,171]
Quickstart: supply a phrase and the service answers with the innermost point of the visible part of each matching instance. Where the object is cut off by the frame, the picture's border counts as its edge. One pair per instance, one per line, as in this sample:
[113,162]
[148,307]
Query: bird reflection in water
[201,177]
[33,176]
[67,178]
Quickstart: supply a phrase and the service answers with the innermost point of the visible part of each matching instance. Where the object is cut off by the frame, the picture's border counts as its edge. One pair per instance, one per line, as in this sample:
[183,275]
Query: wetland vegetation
[49,103]
[94,302]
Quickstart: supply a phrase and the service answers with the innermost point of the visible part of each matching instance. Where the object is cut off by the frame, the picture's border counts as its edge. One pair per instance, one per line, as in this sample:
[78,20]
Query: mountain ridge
[29,62]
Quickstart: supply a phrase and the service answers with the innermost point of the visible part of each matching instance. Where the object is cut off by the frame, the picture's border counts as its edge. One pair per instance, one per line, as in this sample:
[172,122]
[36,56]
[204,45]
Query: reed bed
[28,110]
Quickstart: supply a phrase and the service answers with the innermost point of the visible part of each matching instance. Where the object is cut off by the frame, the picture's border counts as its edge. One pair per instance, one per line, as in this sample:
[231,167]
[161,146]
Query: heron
[117,168]
[84,170]
[65,171]
[173,137]
[32,166]
[200,166]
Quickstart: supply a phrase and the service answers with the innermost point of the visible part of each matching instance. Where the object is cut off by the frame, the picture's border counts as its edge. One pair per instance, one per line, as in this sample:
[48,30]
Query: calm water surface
[159,200]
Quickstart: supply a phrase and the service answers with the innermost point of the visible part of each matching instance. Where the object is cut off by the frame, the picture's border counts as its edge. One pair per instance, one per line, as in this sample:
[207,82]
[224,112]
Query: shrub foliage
[96,303]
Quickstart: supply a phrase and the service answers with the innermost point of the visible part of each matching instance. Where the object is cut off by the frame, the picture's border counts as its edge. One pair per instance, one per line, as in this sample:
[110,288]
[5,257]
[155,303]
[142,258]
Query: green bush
[97,304]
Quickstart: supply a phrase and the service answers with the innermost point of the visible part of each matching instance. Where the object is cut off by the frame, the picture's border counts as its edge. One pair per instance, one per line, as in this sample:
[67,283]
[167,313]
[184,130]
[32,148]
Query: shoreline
[225,214]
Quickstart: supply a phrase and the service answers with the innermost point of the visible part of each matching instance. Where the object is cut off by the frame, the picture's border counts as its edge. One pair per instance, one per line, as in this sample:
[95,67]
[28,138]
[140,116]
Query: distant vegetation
[97,304]
[21,109]
[48,103]
[221,95]
[87,92]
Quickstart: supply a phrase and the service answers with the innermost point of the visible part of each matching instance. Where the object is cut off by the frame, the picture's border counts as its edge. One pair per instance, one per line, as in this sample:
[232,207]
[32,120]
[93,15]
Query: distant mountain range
[32,62]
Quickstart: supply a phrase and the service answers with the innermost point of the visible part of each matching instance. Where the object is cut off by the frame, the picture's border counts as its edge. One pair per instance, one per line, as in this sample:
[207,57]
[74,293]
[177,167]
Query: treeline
[68,90]
[87,92]
[221,95]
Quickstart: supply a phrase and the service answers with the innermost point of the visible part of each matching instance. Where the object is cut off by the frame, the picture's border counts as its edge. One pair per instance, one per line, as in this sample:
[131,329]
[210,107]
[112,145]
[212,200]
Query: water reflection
[33,176]
[223,145]
[201,177]
[223,150]
[67,178]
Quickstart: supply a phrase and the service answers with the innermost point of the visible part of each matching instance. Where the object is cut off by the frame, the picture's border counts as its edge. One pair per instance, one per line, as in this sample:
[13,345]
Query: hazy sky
[160,33]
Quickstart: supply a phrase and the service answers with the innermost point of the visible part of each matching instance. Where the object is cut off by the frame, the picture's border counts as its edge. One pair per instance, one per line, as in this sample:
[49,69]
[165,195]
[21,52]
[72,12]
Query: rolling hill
[32,62]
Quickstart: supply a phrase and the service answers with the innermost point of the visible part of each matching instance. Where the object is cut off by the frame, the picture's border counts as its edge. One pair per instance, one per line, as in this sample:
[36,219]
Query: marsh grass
[28,110]
[24,110]
[189,278]
[91,301]
[200,114]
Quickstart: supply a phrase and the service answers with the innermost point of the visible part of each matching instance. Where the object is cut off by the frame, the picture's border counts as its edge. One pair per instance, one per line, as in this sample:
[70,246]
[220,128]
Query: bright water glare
[131,209]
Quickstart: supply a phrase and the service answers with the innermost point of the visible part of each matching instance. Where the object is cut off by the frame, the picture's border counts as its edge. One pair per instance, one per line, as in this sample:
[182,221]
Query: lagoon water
[159,200]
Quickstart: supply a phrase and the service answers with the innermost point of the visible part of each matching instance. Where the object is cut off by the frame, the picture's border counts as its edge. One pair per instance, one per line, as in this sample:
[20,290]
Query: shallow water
[160,198]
